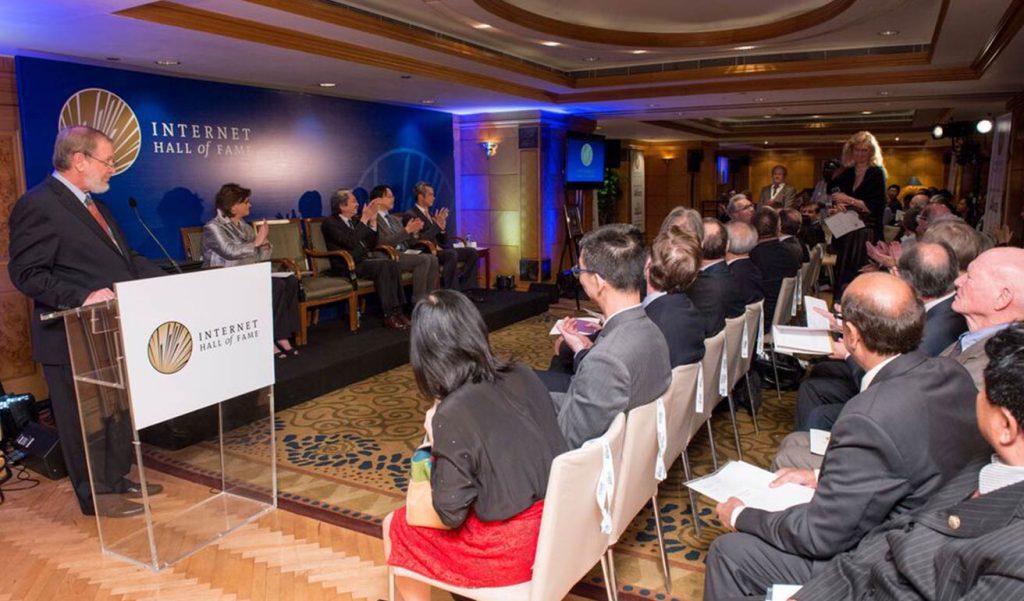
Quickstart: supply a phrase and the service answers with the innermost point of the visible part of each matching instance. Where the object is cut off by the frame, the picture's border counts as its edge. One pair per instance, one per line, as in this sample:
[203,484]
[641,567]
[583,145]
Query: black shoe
[114,506]
[133,490]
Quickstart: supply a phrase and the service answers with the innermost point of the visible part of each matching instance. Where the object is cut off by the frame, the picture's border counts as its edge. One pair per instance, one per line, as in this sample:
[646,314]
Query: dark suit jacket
[942,327]
[798,248]
[748,280]
[627,367]
[681,324]
[776,262]
[60,254]
[892,447]
[359,240]
[430,230]
[716,296]
[921,556]
[393,233]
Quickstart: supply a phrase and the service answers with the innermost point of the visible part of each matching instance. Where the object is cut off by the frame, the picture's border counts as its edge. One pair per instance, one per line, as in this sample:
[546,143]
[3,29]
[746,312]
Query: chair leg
[775,368]
[661,544]
[391,584]
[353,314]
[735,427]
[693,496]
[753,408]
[711,441]
[608,567]
[300,339]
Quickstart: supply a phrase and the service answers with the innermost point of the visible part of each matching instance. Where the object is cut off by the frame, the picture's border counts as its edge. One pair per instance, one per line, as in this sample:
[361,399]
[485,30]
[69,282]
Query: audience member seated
[811,231]
[494,435]
[743,239]
[990,296]
[967,540]
[230,241]
[344,231]
[774,260]
[671,267]
[931,270]
[967,243]
[884,458]
[390,231]
[688,219]
[435,229]
[715,291]
[790,222]
[628,364]
[740,208]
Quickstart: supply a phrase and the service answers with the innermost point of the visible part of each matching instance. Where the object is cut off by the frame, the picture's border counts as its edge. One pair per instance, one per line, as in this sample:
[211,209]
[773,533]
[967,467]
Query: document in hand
[749,484]
[815,320]
[819,441]
[586,325]
[782,592]
[841,224]
[795,340]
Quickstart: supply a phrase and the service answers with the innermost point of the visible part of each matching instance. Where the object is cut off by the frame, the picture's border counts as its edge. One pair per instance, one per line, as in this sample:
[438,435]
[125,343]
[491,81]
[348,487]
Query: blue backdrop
[291,149]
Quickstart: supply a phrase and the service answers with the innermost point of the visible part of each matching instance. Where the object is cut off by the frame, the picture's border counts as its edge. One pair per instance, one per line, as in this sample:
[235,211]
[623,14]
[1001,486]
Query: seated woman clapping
[494,435]
[229,241]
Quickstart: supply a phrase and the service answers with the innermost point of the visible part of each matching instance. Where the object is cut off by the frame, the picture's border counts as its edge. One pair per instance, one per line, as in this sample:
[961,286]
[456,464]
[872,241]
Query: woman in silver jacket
[229,241]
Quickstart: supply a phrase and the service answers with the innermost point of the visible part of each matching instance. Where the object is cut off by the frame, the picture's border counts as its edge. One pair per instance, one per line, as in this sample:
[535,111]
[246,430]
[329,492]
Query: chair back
[680,409]
[812,281]
[753,317]
[315,238]
[733,346]
[784,305]
[570,541]
[192,240]
[635,481]
[286,238]
[712,367]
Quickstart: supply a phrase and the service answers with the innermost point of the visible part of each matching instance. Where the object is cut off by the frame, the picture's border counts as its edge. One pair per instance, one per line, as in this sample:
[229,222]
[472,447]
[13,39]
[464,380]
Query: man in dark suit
[67,251]
[714,292]
[358,236]
[966,542]
[774,260]
[628,364]
[778,194]
[390,231]
[790,222]
[743,239]
[883,460]
[435,230]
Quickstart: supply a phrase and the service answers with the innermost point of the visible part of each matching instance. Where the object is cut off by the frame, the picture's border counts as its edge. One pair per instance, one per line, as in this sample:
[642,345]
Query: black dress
[851,253]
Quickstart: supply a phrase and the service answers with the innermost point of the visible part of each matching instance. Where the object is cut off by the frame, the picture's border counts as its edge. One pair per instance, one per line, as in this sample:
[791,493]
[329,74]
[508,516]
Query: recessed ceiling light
[327,84]
[551,44]
[743,48]
[113,59]
[884,93]
[766,142]
[590,59]
[866,112]
[405,76]
[766,116]
[897,138]
[428,101]
[815,116]
[888,33]
[638,52]
[652,106]
[168,62]
[481,26]
[759,99]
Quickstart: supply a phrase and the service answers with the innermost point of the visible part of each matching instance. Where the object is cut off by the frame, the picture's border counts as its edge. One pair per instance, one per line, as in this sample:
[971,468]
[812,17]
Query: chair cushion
[325,287]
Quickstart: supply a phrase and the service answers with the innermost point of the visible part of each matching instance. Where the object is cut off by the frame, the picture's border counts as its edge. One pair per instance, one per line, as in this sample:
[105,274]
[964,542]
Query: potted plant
[608,195]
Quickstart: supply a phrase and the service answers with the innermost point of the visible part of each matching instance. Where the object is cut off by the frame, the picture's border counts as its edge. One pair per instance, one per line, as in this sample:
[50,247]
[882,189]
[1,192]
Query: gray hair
[77,138]
[742,237]
[734,200]
[339,198]
[687,219]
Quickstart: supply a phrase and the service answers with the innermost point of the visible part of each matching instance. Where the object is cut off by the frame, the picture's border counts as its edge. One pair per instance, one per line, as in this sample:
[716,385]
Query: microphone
[134,204]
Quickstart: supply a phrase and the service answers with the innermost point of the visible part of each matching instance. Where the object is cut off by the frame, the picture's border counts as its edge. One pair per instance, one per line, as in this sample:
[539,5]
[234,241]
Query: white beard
[97,185]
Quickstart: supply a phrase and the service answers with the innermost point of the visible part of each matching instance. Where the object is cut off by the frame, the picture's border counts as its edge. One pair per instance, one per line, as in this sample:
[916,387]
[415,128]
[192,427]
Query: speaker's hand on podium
[99,296]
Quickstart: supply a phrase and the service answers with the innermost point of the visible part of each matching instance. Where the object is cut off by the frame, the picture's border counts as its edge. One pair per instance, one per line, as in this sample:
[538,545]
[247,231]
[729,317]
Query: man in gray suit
[628,364]
[778,194]
[910,429]
[390,231]
[966,542]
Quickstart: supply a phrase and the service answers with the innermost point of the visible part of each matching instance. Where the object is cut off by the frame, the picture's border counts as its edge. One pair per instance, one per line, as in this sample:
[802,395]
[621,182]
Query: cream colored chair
[784,310]
[711,366]
[571,540]
[747,352]
[811,283]
[680,411]
[733,347]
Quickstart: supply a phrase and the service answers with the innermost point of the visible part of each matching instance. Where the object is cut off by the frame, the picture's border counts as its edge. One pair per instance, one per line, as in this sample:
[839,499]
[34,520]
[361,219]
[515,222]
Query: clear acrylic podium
[186,516]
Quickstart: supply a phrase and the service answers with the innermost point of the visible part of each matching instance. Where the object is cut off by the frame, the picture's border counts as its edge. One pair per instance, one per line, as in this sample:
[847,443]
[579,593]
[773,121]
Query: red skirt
[475,555]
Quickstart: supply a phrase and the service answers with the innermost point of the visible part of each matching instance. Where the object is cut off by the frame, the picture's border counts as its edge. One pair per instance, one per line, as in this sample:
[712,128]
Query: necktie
[775,190]
[383,219]
[95,212]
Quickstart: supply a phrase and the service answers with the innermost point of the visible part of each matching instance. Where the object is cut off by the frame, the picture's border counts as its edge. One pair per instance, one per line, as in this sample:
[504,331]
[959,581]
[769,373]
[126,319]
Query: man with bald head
[910,429]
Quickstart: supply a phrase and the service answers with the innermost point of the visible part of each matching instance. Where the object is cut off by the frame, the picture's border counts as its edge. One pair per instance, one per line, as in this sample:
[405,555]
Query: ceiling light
[167,62]
[766,116]
[897,138]
[327,84]
[937,132]
[652,106]
[766,142]
[481,26]
[866,112]
[815,116]
[744,48]
[590,59]
[428,101]
[551,44]
[984,126]
[888,33]
[638,52]
[759,99]
[885,93]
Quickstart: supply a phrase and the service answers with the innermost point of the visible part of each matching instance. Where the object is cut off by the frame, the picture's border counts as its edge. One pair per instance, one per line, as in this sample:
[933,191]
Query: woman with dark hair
[494,435]
[229,241]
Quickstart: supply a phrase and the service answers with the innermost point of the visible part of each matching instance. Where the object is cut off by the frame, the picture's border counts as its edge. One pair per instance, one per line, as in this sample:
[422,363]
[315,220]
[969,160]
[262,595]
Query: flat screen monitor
[584,161]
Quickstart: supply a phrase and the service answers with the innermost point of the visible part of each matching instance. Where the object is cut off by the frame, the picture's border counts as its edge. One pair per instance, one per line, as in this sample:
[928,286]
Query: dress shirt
[80,195]
[969,338]
[652,296]
[998,475]
[868,377]
[928,305]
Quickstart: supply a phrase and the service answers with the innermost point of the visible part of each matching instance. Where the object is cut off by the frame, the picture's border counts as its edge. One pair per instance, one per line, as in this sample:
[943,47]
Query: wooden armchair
[192,241]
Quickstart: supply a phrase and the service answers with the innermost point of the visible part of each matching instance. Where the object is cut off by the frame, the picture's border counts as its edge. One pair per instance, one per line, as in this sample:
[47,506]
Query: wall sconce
[490,148]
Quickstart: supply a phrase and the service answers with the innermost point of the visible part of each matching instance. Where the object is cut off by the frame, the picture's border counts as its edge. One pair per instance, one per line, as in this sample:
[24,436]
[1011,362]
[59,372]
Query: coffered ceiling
[744,71]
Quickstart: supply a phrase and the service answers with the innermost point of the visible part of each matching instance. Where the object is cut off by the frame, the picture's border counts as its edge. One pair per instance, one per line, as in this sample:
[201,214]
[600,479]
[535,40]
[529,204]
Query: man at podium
[67,251]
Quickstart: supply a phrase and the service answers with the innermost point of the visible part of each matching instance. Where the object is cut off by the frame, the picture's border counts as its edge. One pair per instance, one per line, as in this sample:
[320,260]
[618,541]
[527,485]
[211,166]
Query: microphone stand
[134,204]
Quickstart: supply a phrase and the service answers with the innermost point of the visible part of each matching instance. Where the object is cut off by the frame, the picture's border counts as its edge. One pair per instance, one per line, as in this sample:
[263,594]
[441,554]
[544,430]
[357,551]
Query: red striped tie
[95,212]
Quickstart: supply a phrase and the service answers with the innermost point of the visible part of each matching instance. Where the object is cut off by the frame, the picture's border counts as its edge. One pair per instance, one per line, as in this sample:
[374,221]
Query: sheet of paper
[458,245]
[782,592]
[795,340]
[282,274]
[749,483]
[841,224]
[412,251]
[819,441]
[584,329]
[814,320]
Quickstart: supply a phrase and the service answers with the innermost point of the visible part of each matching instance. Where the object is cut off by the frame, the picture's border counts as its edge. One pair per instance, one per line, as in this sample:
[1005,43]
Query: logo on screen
[170,347]
[107,112]
[586,155]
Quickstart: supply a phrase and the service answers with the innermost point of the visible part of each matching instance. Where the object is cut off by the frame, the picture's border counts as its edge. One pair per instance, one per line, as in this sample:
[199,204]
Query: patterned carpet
[343,457]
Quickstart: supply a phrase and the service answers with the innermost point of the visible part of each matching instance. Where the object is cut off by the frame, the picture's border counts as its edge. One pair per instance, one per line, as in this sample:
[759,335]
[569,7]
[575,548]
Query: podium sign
[187,338]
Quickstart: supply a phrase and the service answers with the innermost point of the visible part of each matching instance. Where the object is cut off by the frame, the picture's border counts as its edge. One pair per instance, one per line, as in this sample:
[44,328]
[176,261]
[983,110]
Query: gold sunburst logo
[170,347]
[107,112]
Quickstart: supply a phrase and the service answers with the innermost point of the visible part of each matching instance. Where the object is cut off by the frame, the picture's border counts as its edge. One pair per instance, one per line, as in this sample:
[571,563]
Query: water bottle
[470,243]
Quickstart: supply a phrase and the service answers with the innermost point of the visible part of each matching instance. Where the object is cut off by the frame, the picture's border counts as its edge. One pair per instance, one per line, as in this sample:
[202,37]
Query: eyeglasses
[576,271]
[110,164]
